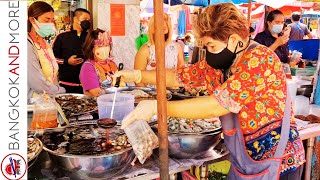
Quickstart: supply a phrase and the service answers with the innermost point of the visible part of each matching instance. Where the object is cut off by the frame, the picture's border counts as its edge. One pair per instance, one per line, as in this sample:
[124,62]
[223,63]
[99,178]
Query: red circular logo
[13,166]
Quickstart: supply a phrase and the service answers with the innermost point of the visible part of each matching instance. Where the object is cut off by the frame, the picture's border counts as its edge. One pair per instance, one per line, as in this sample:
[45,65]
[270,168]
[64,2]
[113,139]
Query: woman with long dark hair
[42,65]
[273,37]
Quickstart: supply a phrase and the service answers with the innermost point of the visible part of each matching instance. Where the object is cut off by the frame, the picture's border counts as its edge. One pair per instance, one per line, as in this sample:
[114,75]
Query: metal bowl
[33,159]
[91,166]
[188,146]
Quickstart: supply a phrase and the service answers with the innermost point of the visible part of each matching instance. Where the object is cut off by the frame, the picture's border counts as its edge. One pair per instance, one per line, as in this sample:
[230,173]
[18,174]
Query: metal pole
[308,166]
[161,90]
[266,12]
[249,12]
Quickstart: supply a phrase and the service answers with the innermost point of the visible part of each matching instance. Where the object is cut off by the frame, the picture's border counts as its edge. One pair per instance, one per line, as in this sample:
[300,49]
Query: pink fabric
[88,76]
[188,23]
[104,39]
[260,25]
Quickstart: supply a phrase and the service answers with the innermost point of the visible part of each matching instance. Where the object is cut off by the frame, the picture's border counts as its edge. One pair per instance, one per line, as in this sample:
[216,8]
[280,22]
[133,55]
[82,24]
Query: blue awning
[188,2]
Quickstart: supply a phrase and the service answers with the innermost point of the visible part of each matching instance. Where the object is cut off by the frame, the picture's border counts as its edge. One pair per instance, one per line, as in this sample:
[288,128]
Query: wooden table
[309,135]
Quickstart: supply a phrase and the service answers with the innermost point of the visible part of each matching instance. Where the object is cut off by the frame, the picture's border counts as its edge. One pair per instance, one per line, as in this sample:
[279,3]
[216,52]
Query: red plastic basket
[187,176]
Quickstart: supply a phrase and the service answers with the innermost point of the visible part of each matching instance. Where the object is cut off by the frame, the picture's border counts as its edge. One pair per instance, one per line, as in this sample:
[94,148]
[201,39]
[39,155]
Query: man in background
[298,29]
[67,48]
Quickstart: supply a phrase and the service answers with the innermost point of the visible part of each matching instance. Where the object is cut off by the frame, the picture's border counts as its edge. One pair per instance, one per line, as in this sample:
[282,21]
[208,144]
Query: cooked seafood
[137,93]
[311,117]
[177,125]
[81,142]
[72,105]
[34,148]
[200,91]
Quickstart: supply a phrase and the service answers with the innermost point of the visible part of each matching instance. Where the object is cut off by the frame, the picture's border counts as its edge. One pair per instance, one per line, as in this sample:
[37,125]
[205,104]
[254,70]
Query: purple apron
[243,167]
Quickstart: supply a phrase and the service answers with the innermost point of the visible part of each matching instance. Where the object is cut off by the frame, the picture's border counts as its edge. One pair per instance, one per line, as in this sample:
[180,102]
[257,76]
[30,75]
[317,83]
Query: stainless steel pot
[186,146]
[33,159]
[88,167]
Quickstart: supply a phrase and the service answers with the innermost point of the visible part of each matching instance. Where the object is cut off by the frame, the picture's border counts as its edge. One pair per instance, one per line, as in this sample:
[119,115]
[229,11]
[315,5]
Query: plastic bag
[45,113]
[142,139]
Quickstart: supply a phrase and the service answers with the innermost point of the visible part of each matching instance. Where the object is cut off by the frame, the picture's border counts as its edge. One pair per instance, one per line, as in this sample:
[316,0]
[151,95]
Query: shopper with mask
[96,72]
[67,47]
[146,59]
[273,37]
[253,103]
[42,65]
[298,29]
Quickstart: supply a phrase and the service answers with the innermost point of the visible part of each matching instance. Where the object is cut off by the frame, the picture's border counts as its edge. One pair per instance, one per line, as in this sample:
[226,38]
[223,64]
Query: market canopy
[231,1]
[272,3]
[188,2]
[275,4]
[311,14]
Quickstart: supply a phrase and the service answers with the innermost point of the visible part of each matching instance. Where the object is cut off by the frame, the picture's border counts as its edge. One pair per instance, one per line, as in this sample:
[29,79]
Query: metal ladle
[116,89]
[108,123]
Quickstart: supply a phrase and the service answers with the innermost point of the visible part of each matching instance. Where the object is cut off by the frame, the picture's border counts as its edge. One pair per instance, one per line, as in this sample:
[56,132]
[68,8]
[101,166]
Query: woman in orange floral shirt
[251,100]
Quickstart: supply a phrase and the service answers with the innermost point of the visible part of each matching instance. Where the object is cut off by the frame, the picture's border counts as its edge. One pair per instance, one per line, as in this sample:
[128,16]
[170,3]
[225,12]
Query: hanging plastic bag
[142,139]
[45,113]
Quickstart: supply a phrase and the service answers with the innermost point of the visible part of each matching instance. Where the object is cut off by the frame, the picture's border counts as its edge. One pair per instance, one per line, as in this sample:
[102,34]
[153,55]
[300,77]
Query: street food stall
[80,144]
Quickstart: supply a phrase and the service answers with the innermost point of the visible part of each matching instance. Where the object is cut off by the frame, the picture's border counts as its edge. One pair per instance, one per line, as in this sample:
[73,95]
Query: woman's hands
[144,111]
[128,76]
[282,40]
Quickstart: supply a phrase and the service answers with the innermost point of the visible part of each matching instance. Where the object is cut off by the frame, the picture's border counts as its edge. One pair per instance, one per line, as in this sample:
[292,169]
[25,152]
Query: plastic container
[296,55]
[314,109]
[292,85]
[287,71]
[45,113]
[302,105]
[123,106]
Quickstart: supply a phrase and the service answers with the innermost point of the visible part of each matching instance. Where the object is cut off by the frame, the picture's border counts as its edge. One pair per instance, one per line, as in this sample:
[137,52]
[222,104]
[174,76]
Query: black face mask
[224,59]
[85,25]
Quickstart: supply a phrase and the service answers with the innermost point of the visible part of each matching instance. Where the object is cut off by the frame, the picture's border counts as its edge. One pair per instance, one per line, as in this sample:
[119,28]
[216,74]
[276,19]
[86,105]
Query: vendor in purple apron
[252,100]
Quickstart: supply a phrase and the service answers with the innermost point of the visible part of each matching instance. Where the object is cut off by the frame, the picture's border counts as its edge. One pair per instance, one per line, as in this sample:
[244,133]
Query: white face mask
[102,52]
[276,28]
[44,29]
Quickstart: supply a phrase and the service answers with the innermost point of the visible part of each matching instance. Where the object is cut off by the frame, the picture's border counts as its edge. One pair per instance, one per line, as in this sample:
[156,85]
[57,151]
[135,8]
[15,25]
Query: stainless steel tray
[151,91]
[79,96]
[32,160]
[94,166]
[39,151]
[130,88]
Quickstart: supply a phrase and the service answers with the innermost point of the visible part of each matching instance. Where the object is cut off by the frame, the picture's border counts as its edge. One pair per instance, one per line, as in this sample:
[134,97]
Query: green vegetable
[216,176]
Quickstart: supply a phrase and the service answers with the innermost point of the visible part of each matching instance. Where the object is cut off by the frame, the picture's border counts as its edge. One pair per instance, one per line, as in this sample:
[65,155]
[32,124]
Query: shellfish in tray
[34,148]
[140,95]
[76,104]
[182,125]
[81,141]
[189,126]
[182,93]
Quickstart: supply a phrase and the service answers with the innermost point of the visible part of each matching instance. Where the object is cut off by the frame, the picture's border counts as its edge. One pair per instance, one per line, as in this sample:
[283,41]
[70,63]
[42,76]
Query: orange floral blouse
[257,92]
